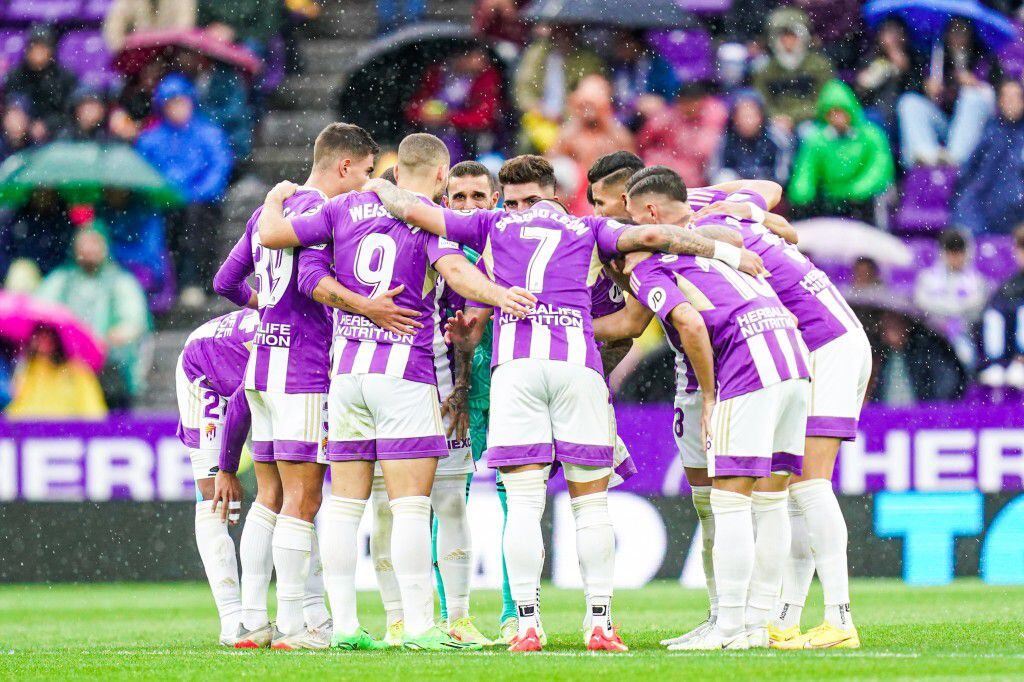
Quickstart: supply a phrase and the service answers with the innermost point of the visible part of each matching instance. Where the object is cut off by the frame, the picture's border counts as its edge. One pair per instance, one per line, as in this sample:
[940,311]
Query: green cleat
[436,639]
[360,640]
[465,630]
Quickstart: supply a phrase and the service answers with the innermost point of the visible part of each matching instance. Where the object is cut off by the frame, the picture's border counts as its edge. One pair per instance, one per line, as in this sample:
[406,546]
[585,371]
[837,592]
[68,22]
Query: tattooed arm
[677,240]
[408,208]
[721,233]
[456,405]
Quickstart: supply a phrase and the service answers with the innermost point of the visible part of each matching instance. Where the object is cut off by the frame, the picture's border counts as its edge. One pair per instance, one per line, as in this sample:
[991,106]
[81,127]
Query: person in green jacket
[844,162]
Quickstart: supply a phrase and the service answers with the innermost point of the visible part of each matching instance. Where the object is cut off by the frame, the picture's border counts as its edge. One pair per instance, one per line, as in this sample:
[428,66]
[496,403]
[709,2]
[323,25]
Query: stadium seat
[93,11]
[12,45]
[924,206]
[688,51]
[48,11]
[85,54]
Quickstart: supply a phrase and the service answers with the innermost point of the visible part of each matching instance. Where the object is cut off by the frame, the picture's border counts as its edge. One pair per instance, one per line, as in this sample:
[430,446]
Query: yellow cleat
[777,636]
[464,630]
[394,634]
[509,629]
[824,636]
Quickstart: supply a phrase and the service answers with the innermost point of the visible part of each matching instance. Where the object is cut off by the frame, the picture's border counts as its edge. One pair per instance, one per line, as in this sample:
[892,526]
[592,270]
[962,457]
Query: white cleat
[757,637]
[714,640]
[307,638]
[696,632]
[252,639]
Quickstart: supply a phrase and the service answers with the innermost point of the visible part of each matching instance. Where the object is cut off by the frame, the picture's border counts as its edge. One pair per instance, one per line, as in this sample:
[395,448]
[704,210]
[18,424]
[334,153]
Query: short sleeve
[653,286]
[315,225]
[470,227]
[607,231]
[314,265]
[439,247]
[746,196]
[699,197]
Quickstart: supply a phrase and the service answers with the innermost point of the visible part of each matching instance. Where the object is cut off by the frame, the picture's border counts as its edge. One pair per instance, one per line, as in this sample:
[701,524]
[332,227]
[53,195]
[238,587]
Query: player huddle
[404,328]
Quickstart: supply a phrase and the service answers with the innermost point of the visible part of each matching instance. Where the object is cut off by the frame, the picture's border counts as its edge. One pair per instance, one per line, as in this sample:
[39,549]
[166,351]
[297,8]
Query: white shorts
[376,416]
[760,433]
[201,412]
[840,371]
[290,427]
[686,429]
[543,410]
[623,466]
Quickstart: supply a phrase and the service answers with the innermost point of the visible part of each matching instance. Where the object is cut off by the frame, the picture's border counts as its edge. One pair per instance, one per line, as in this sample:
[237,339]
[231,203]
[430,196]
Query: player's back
[219,350]
[755,340]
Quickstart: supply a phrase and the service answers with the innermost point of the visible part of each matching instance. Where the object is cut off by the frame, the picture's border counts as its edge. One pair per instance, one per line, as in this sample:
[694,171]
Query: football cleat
[530,641]
[696,632]
[436,639]
[253,639]
[758,637]
[306,638]
[464,630]
[600,640]
[360,640]
[825,636]
[393,635]
[777,636]
[714,640]
[509,629]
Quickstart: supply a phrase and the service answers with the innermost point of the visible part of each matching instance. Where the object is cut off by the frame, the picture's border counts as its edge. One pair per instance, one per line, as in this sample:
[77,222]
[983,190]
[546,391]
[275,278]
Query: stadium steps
[287,128]
[159,394]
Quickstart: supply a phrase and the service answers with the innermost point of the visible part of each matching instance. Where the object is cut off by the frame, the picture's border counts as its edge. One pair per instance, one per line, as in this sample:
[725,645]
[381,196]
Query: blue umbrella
[926,19]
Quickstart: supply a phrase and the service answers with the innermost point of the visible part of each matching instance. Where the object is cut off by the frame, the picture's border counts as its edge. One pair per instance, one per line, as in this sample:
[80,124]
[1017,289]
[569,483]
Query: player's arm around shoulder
[467,280]
[676,240]
[407,207]
[276,231]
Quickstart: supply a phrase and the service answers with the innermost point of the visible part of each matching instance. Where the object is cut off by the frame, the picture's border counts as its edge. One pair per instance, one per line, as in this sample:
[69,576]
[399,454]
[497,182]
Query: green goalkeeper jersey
[480,374]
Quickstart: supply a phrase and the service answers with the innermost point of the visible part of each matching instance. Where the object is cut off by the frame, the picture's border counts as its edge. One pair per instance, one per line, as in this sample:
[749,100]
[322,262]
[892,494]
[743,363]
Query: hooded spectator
[552,66]
[195,157]
[128,16]
[943,124]
[89,117]
[795,73]
[642,80]
[223,97]
[47,384]
[44,84]
[591,129]
[684,136]
[844,163]
[990,191]
[889,69]
[111,301]
[460,102]
[751,148]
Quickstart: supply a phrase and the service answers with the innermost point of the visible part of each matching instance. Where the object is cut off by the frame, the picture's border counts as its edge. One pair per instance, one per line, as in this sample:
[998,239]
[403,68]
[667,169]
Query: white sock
[340,533]
[733,556]
[257,557]
[526,494]
[771,549]
[826,530]
[217,550]
[410,554]
[380,554]
[595,545]
[314,610]
[454,543]
[797,571]
[701,496]
[293,544]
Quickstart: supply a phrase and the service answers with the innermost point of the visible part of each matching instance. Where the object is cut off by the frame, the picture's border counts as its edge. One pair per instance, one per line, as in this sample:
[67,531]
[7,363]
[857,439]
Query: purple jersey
[290,351]
[755,339]
[218,351]
[555,256]
[821,311]
[374,253]
[605,296]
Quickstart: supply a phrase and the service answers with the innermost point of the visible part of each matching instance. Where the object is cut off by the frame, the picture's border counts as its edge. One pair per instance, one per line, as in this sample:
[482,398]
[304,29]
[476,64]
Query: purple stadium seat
[924,207]
[992,256]
[688,51]
[85,54]
[94,10]
[12,45]
[49,11]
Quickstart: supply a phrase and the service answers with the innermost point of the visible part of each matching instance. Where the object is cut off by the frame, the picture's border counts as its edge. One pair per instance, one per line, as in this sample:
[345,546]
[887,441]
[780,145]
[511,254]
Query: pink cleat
[528,642]
[599,640]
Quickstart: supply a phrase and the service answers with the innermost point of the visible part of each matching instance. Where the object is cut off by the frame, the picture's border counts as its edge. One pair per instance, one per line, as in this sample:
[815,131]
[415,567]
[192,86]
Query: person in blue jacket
[194,155]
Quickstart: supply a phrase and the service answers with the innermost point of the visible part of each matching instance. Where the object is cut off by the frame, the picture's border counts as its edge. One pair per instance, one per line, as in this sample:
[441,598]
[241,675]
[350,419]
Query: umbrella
[142,47]
[844,241]
[386,73]
[80,170]
[20,315]
[927,19]
[644,14]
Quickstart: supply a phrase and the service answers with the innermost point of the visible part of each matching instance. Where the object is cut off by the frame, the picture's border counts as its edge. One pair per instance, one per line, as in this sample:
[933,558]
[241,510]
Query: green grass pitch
[167,631]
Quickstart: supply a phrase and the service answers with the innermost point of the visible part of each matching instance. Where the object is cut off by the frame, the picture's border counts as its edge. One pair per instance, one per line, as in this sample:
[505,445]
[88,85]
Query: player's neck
[319,182]
[424,187]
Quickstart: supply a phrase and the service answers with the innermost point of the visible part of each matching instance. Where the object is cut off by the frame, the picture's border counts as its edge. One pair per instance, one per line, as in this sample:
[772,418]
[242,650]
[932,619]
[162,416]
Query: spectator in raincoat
[751,148]
[43,83]
[795,73]
[223,97]
[47,384]
[195,156]
[844,163]
[110,300]
[990,188]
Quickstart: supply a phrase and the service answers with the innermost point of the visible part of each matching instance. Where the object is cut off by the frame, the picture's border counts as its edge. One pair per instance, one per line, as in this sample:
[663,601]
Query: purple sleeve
[654,287]
[229,281]
[607,231]
[237,420]
[470,227]
[317,226]
[749,197]
[314,265]
[439,247]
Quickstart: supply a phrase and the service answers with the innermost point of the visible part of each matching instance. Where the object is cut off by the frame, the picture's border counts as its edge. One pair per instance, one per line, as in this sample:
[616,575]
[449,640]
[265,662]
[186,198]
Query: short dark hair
[659,180]
[614,163]
[339,140]
[952,241]
[472,169]
[389,175]
[526,168]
